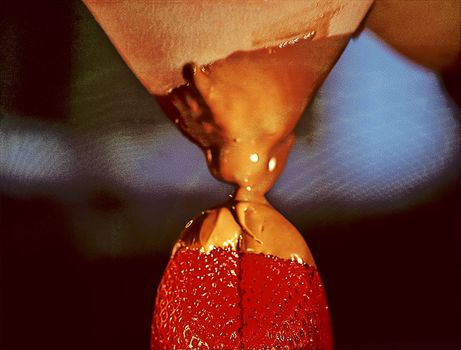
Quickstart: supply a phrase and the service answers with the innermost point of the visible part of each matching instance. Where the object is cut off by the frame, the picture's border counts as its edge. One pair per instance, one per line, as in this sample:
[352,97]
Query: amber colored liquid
[242,110]
[241,276]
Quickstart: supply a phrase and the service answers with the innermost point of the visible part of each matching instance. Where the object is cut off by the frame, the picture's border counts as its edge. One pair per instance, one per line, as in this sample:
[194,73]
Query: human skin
[423,30]
[427,32]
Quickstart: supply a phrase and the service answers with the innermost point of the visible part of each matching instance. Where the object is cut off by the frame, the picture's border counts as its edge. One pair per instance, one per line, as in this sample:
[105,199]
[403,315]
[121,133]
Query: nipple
[241,276]
[241,111]
[241,270]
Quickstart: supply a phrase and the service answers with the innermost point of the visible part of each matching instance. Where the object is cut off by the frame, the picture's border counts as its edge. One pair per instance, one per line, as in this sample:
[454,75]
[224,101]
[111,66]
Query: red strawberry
[223,300]
[198,302]
[283,305]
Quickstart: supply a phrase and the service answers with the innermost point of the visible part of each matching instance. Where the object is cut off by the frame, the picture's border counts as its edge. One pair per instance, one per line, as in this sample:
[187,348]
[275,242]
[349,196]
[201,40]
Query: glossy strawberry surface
[283,305]
[226,300]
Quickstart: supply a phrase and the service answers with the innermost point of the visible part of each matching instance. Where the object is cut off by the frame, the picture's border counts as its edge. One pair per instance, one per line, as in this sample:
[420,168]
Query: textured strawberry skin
[223,300]
[198,302]
[283,305]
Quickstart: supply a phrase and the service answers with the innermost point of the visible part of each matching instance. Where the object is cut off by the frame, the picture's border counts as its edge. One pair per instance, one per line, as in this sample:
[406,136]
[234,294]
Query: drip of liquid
[242,111]
[241,276]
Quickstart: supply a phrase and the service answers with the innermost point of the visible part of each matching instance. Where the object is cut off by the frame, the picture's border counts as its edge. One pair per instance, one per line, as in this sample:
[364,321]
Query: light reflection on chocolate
[241,111]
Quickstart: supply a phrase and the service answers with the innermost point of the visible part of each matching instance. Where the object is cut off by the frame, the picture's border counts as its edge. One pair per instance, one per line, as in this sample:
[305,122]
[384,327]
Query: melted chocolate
[242,111]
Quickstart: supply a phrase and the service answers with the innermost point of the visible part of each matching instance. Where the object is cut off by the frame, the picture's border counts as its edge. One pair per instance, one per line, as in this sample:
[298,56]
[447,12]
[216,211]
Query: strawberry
[283,305]
[198,300]
[227,300]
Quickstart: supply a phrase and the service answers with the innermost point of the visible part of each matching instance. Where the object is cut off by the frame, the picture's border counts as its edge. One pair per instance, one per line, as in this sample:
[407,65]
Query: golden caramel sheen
[242,111]
[247,227]
[267,60]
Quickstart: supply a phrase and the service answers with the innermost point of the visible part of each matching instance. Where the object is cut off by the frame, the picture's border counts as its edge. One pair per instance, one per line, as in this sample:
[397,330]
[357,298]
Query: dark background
[95,185]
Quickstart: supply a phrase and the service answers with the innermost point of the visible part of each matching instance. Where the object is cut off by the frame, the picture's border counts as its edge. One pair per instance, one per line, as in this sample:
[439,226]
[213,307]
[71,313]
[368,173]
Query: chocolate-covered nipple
[241,111]
[241,276]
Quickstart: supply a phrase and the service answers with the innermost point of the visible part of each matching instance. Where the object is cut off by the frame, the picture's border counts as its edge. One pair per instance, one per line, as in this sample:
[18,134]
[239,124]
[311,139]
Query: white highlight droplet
[272,164]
